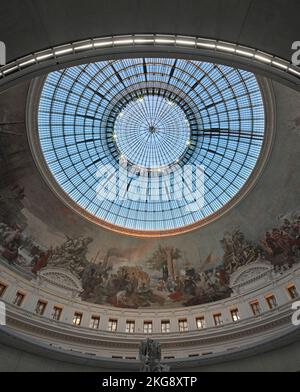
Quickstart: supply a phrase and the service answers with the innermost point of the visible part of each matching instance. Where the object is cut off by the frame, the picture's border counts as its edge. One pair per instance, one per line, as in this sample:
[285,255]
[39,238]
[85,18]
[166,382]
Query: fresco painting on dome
[162,277]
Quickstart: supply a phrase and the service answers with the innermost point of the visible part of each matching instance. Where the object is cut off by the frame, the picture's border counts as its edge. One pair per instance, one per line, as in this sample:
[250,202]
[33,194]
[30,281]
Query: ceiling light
[44,56]
[63,51]
[104,43]
[292,70]
[185,42]
[264,59]
[226,48]
[123,41]
[164,41]
[206,45]
[143,40]
[27,62]
[11,69]
[279,65]
[83,47]
[244,53]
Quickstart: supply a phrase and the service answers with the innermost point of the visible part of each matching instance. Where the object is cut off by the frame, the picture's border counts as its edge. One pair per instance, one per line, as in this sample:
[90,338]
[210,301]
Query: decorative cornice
[60,277]
[33,325]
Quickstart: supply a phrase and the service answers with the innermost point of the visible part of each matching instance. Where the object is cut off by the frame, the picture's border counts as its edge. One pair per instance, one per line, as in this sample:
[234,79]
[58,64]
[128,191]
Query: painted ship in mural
[163,276]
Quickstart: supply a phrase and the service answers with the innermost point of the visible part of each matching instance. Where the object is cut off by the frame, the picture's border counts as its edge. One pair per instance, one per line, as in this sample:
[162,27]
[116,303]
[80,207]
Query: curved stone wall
[259,311]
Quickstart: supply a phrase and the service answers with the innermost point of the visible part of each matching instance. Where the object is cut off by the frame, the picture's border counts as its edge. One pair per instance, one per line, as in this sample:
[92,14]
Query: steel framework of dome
[159,115]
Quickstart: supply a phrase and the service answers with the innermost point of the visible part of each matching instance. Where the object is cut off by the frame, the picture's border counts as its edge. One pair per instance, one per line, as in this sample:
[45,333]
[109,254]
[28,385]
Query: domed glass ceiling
[125,139]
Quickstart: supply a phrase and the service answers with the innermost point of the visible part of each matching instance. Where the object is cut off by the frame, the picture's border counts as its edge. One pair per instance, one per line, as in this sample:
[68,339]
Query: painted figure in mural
[71,255]
[11,206]
[18,191]
[93,281]
[41,260]
[237,251]
[129,286]
[11,243]
[3,228]
[282,244]
[164,259]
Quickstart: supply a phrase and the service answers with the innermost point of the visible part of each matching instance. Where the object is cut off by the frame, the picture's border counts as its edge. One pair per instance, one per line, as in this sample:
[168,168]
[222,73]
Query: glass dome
[124,139]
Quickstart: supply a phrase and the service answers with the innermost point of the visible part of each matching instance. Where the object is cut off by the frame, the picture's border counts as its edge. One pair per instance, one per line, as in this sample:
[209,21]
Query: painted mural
[159,276]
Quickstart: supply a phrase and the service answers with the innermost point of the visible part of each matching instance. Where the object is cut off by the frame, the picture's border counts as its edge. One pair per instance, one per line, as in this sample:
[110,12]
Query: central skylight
[152,132]
[153,118]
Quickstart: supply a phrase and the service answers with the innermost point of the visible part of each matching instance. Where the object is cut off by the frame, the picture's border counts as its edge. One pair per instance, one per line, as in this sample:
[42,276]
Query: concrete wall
[29,25]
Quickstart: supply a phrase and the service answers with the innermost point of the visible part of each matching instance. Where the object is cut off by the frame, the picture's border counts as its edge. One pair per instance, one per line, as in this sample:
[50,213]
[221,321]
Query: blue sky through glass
[152,132]
[154,111]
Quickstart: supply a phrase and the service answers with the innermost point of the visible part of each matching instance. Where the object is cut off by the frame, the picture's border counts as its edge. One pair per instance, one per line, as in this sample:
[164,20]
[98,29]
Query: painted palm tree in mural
[164,259]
